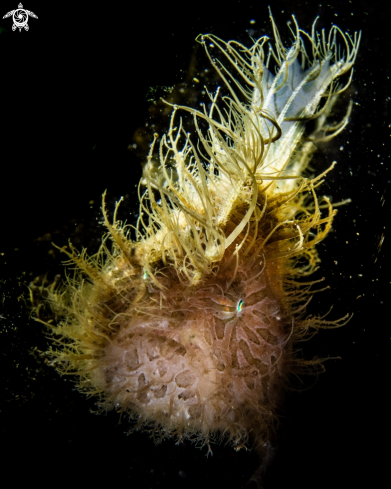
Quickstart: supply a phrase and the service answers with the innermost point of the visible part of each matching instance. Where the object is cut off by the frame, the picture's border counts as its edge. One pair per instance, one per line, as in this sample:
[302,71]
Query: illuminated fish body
[190,328]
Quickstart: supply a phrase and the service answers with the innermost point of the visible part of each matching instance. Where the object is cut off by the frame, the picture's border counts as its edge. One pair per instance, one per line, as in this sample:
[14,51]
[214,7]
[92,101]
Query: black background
[74,90]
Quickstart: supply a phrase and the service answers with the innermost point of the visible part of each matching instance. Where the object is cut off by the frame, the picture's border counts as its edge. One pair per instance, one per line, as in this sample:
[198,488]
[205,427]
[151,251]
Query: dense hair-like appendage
[190,328]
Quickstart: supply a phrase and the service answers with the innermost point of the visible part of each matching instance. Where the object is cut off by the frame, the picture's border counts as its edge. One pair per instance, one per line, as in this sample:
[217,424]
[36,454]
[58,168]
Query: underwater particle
[190,328]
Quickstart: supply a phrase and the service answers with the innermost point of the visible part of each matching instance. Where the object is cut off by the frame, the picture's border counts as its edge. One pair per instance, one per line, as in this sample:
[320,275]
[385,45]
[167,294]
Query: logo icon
[20,17]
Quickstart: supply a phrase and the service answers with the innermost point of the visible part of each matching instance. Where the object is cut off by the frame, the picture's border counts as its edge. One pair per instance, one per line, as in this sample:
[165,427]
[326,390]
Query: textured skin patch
[185,379]
[251,336]
[219,328]
[132,359]
[266,335]
[160,392]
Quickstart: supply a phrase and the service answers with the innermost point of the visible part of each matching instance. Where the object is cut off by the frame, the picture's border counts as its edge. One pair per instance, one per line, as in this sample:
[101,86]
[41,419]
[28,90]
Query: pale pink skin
[203,366]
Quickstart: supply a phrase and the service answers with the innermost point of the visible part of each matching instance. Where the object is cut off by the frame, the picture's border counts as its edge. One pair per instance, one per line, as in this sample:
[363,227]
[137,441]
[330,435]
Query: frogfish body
[191,328]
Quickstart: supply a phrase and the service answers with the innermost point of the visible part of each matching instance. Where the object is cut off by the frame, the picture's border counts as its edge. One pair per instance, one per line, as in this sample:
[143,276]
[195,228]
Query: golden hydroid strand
[191,328]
